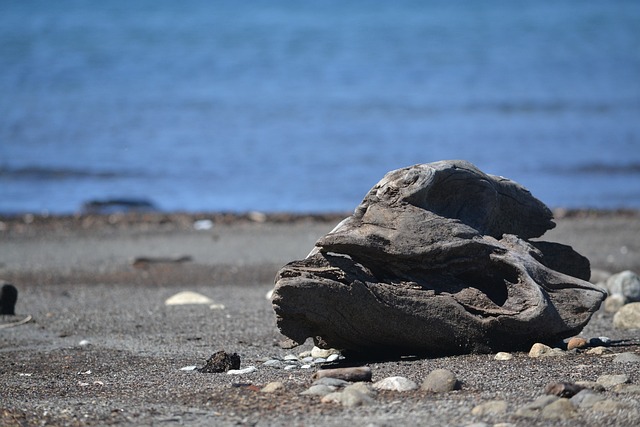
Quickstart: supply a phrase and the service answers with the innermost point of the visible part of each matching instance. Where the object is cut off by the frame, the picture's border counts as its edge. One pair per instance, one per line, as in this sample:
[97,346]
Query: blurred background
[302,106]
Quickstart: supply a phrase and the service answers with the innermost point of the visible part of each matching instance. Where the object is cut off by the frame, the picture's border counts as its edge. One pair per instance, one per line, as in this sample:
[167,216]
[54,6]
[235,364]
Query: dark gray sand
[102,348]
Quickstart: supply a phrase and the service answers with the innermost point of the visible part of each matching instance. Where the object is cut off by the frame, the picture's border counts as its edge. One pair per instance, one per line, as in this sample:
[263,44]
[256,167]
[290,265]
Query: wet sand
[102,348]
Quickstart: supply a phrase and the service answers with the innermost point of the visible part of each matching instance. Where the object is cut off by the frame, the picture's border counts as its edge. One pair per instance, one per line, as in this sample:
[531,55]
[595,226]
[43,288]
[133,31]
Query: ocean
[302,106]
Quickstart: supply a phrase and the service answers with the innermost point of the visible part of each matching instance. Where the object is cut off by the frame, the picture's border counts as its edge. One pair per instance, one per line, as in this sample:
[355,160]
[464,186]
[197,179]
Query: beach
[102,347]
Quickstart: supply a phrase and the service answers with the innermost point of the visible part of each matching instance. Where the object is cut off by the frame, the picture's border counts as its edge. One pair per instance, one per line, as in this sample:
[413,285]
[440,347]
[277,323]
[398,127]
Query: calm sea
[302,106]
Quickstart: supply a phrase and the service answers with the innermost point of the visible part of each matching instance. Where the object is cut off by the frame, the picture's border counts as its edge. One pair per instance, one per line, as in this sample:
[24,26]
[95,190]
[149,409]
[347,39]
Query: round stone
[609,381]
[577,342]
[273,387]
[502,355]
[440,381]
[395,384]
[628,317]
[627,284]
[493,407]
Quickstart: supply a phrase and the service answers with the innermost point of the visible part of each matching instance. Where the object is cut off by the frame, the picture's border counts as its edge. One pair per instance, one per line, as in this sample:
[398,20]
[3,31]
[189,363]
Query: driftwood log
[437,259]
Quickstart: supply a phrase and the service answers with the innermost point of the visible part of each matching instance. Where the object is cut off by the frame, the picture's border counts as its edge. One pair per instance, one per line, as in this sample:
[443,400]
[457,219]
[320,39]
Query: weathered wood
[436,260]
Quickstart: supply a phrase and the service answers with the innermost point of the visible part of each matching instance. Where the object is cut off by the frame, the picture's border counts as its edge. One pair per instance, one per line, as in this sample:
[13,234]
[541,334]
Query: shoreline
[103,347]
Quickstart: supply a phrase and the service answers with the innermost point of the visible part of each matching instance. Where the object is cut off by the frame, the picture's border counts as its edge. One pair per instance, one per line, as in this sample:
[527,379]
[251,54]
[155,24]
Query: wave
[43,173]
[597,168]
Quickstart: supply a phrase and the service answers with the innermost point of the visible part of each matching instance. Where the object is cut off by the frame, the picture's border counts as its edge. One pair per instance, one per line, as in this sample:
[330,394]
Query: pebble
[628,317]
[577,342]
[608,405]
[440,381]
[246,370]
[609,381]
[502,355]
[600,350]
[317,352]
[333,382]
[626,358]
[273,387]
[273,363]
[542,350]
[627,388]
[352,396]
[493,407]
[625,283]
[362,373]
[586,398]
[533,409]
[319,390]
[561,408]
[188,297]
[396,384]
[613,303]
[563,389]
[333,357]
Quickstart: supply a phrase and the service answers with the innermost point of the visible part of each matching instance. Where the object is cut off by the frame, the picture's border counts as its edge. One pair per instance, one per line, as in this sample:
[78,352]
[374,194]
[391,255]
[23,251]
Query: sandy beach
[103,348]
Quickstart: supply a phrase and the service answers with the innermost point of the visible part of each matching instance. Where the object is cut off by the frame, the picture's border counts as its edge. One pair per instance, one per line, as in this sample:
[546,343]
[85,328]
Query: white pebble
[502,355]
[246,370]
[188,368]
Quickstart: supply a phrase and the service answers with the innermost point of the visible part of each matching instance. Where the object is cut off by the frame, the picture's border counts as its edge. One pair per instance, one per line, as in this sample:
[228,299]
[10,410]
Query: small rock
[562,389]
[273,387]
[609,381]
[493,407]
[586,398]
[628,317]
[542,350]
[440,381]
[591,385]
[362,373]
[577,342]
[626,358]
[333,357]
[608,406]
[273,363]
[84,343]
[627,389]
[319,390]
[8,299]
[503,356]
[203,224]
[317,352]
[189,368]
[350,397]
[613,303]
[627,284]
[395,384]
[221,361]
[292,357]
[600,350]
[188,297]
[246,370]
[333,382]
[559,409]
[533,409]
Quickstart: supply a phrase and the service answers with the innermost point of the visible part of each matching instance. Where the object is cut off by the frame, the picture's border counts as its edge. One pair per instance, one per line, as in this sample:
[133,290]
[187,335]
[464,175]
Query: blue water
[303,106]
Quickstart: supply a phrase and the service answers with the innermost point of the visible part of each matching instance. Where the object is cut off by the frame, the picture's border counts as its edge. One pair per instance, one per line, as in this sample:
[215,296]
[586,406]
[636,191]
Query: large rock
[437,260]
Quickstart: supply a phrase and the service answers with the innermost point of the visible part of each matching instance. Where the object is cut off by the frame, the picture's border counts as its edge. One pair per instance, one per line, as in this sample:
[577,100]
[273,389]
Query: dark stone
[563,389]
[221,361]
[8,299]
[437,260]
[110,206]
